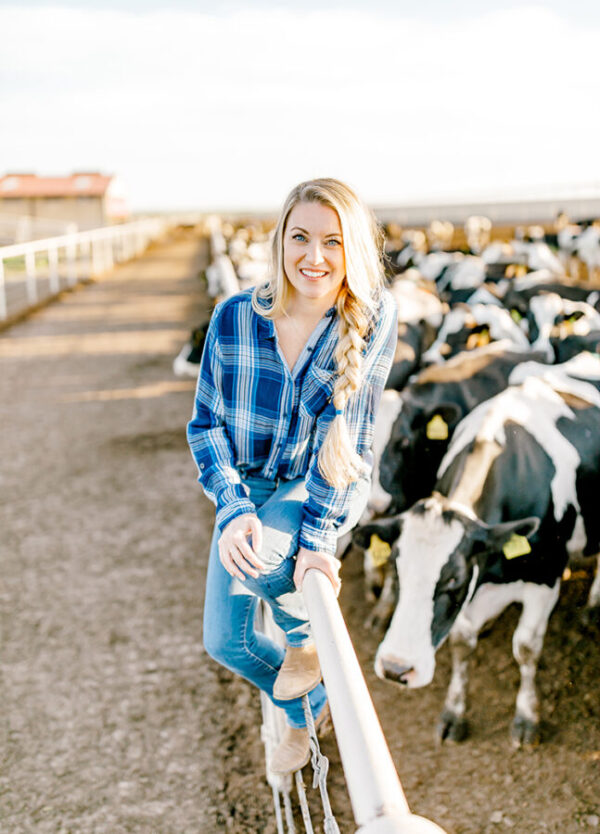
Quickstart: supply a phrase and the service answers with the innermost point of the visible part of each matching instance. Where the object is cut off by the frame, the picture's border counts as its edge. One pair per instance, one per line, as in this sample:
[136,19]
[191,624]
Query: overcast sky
[199,105]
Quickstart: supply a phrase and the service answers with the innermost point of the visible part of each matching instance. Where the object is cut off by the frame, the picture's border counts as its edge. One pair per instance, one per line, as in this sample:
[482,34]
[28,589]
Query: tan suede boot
[300,672]
[293,751]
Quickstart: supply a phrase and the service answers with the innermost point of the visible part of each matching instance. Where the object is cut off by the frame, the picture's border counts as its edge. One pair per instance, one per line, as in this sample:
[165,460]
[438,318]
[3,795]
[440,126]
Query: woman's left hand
[329,565]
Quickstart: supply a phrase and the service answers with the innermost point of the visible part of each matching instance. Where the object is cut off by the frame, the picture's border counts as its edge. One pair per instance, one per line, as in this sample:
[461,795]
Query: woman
[290,380]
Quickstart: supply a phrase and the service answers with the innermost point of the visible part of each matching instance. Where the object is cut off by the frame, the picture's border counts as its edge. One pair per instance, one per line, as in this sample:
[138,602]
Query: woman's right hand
[235,552]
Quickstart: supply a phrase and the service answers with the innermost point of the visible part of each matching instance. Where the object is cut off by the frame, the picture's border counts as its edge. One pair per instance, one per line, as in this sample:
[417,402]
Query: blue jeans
[230,635]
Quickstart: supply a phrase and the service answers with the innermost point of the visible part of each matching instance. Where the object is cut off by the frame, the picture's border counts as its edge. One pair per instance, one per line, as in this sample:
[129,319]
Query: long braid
[338,460]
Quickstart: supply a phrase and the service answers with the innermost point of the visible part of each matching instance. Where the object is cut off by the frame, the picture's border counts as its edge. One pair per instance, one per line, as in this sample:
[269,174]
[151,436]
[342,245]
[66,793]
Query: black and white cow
[517,493]
[420,313]
[428,411]
[551,316]
[187,361]
[570,346]
[466,327]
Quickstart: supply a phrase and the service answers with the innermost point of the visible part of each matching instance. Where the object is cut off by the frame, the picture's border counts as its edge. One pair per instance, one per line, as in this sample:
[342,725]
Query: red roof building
[89,199]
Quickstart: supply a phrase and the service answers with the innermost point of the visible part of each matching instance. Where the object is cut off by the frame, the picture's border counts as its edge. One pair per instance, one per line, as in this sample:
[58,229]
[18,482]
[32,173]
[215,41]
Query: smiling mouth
[313,273]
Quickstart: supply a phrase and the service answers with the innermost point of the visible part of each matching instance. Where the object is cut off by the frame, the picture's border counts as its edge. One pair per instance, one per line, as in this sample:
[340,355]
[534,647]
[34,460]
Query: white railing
[20,228]
[377,798]
[32,271]
[378,802]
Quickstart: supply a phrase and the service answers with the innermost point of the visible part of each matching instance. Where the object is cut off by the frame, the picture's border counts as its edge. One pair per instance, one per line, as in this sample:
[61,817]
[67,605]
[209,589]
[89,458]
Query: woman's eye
[298,236]
[333,242]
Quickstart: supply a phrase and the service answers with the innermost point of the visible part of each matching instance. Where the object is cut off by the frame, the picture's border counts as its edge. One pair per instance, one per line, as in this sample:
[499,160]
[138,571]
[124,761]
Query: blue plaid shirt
[252,416]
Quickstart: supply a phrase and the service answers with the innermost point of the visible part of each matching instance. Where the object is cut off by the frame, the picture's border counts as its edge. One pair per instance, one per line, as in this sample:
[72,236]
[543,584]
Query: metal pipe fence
[378,802]
[377,798]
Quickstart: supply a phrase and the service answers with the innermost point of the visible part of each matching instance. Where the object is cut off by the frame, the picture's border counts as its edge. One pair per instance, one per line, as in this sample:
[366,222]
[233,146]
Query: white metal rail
[377,798]
[32,271]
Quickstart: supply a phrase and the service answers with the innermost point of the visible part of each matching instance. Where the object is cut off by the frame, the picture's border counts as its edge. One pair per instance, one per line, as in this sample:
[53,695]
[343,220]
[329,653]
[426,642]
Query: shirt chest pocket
[317,390]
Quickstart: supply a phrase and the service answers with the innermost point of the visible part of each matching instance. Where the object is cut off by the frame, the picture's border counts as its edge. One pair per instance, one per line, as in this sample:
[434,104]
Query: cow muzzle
[395,671]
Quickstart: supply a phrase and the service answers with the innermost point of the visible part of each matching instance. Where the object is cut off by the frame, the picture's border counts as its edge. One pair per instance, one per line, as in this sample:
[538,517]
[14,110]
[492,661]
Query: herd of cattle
[487,443]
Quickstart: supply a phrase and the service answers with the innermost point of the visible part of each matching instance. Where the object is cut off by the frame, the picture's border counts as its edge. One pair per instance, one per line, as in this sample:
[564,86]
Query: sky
[206,105]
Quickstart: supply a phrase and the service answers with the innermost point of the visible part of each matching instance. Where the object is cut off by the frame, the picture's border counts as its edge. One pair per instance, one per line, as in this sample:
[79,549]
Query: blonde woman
[289,384]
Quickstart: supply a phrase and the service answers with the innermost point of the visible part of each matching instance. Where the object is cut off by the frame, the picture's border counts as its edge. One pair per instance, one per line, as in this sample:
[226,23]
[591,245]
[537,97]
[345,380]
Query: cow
[564,349]
[187,362]
[518,296]
[379,500]
[420,313]
[478,231]
[552,316]
[221,278]
[466,327]
[516,493]
[429,409]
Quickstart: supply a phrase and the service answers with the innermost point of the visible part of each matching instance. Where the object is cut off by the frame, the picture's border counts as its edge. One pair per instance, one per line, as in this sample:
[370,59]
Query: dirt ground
[113,718]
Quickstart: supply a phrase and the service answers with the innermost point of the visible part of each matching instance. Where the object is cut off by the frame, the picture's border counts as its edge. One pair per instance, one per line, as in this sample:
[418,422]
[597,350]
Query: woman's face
[313,253]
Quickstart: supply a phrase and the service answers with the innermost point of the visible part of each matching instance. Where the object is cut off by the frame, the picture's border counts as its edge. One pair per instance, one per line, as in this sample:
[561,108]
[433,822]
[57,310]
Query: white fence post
[31,277]
[53,278]
[377,798]
[71,253]
[3,313]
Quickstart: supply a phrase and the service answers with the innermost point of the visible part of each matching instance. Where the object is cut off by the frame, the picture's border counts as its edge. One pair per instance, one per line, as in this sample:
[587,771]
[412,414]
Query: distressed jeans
[230,635]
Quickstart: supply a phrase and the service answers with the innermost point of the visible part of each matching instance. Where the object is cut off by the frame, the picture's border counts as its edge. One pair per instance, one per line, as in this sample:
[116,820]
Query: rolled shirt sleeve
[327,507]
[208,438]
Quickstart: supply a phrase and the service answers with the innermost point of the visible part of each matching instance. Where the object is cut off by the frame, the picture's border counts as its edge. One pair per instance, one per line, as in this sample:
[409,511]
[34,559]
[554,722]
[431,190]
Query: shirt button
[201,466]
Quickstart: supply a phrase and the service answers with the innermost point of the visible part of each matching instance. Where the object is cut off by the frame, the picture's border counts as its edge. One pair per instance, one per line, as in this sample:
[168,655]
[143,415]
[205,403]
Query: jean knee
[277,548]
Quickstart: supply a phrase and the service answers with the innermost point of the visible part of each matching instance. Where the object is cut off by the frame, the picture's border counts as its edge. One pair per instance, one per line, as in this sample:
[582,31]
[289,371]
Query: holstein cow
[517,492]
[420,314]
[552,316]
[412,433]
[570,346]
[466,327]
[187,362]
[428,411]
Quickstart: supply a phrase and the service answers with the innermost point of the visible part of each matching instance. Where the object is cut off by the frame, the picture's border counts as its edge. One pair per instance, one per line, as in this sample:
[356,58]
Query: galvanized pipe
[377,798]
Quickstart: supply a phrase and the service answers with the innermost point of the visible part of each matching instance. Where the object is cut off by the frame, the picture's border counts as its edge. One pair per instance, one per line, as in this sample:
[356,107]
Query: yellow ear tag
[515,315]
[516,546]
[437,428]
[379,551]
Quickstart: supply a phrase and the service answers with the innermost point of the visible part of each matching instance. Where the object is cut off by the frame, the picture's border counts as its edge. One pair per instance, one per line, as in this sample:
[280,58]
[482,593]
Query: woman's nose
[315,254]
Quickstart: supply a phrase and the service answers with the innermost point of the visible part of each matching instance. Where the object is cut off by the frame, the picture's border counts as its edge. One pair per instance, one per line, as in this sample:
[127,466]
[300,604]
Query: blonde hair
[356,304]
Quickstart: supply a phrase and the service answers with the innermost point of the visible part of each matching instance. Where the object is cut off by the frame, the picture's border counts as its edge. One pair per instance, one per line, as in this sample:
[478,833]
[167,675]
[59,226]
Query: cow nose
[394,671]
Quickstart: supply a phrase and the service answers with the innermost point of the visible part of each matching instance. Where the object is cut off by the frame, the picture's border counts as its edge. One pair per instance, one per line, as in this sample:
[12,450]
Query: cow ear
[388,530]
[511,533]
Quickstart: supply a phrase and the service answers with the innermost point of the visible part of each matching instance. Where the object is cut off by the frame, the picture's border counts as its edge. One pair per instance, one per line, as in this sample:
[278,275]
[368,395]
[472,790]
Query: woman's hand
[329,565]
[235,552]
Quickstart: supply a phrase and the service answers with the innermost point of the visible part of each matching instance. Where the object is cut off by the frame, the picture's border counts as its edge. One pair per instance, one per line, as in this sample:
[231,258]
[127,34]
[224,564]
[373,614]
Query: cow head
[439,550]
[417,444]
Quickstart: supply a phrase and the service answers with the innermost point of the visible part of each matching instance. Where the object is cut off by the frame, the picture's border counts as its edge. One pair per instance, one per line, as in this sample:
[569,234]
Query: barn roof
[80,184]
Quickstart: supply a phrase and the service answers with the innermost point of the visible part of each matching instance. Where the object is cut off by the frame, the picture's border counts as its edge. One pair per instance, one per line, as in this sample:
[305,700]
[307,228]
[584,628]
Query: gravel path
[113,719]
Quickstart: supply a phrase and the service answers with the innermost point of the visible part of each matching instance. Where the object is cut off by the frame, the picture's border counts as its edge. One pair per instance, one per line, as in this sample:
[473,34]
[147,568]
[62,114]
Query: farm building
[88,199]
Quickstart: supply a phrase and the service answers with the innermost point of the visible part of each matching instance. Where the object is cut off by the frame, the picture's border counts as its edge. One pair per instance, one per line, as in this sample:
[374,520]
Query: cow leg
[486,605]
[453,725]
[593,603]
[528,639]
